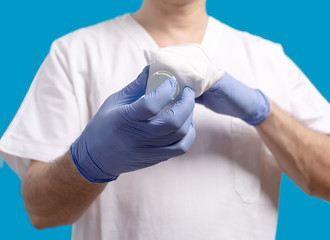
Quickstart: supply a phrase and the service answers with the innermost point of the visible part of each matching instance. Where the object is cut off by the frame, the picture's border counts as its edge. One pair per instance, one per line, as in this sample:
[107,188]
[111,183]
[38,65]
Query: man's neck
[173,23]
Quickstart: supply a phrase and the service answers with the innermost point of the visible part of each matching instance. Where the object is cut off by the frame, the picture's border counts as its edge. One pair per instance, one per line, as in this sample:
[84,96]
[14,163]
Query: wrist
[74,177]
[273,113]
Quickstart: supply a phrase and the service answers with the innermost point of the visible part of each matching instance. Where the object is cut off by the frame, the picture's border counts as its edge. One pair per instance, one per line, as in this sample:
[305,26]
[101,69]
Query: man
[225,187]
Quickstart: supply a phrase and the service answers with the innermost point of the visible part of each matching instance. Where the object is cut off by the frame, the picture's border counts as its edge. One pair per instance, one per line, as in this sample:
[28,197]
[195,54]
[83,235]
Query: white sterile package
[188,64]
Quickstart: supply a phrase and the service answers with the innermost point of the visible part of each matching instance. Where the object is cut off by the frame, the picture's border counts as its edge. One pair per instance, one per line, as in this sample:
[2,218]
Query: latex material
[189,63]
[231,97]
[127,133]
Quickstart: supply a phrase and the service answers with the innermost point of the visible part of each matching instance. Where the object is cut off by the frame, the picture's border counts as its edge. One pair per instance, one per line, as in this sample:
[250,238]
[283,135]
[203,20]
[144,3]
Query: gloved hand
[231,97]
[127,133]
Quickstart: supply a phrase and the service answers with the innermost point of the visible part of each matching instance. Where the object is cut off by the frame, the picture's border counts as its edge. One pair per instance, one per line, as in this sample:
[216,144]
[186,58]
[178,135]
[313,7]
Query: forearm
[303,154]
[56,194]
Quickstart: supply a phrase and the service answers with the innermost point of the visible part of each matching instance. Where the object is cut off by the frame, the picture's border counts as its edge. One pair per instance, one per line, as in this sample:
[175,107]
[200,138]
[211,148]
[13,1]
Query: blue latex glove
[127,133]
[231,97]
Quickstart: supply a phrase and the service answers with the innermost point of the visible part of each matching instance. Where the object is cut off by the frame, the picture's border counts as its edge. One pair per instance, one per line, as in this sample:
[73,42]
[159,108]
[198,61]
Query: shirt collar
[143,39]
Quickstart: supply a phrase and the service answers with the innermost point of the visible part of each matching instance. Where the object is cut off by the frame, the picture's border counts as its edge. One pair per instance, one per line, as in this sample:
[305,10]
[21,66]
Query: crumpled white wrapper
[188,63]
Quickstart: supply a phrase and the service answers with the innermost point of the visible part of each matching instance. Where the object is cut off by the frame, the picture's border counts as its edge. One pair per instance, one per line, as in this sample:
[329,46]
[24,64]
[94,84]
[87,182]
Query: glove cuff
[85,164]
[263,110]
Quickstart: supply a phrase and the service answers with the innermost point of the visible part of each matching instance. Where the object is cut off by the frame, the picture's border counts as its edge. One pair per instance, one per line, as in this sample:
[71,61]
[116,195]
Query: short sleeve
[47,121]
[307,105]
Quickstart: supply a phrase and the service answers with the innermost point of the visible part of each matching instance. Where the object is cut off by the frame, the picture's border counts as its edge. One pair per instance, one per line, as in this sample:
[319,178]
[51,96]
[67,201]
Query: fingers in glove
[172,120]
[171,138]
[159,154]
[182,146]
[135,89]
[150,105]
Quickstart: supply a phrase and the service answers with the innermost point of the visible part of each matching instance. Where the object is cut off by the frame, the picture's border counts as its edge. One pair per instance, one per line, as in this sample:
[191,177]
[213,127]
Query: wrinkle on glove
[189,63]
[231,97]
[127,133]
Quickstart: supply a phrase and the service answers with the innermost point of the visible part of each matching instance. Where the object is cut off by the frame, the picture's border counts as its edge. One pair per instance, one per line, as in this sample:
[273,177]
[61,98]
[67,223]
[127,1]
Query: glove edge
[75,162]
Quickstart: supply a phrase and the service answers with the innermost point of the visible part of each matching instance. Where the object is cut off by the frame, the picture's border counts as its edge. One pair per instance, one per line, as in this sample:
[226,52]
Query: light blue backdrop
[29,27]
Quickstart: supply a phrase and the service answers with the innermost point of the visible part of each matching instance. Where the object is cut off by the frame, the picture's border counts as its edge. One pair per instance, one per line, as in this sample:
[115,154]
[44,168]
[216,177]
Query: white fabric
[189,63]
[225,187]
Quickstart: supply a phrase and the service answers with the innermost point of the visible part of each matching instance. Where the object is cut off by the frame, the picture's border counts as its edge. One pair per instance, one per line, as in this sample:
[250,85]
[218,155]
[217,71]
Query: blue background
[29,27]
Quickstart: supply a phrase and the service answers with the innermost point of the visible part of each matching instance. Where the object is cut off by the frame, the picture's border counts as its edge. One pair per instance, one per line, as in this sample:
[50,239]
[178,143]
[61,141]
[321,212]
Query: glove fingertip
[143,76]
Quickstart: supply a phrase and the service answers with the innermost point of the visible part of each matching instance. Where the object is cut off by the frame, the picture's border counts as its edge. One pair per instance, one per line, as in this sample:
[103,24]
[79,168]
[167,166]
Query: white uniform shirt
[225,187]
